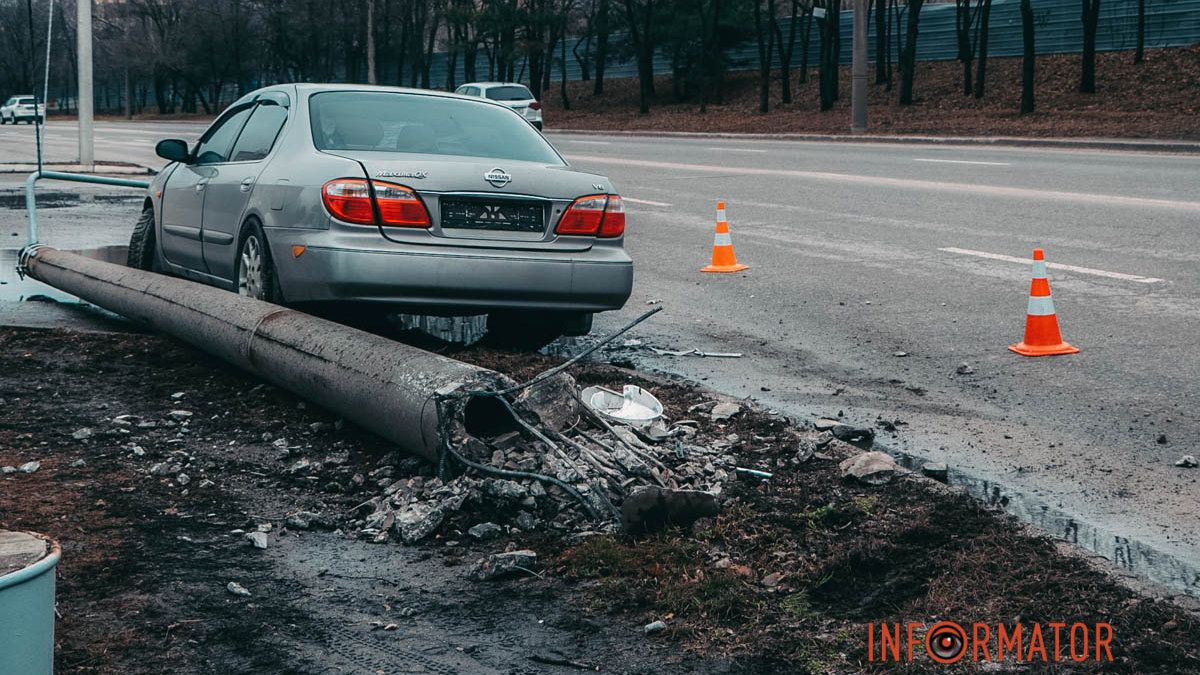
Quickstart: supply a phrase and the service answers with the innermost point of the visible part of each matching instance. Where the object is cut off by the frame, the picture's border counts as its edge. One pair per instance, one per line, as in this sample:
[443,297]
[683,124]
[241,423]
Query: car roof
[493,84]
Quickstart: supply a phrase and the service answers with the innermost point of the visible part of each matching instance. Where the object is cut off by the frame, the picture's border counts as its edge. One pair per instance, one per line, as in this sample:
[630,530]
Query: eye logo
[946,642]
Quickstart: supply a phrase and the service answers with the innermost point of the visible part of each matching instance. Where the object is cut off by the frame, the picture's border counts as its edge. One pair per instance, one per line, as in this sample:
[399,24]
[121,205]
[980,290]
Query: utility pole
[858,68]
[83,47]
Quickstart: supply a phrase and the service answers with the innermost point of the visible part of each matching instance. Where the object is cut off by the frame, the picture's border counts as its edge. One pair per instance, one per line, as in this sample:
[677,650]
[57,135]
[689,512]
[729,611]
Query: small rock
[900,355]
[653,508]
[526,521]
[772,580]
[206,483]
[825,424]
[485,531]
[936,470]
[259,539]
[871,468]
[725,410]
[1161,440]
[237,589]
[964,368]
[417,521]
[78,464]
[300,466]
[278,443]
[500,565]
[180,415]
[178,395]
[82,434]
[654,627]
[1187,462]
[183,479]
[5,470]
[303,520]
[29,467]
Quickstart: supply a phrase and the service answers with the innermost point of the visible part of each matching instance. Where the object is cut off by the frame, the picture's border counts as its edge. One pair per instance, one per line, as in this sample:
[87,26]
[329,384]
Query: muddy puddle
[15,289]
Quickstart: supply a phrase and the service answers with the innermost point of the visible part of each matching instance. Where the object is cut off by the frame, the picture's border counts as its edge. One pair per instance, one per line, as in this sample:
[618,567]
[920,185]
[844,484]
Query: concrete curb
[1132,145]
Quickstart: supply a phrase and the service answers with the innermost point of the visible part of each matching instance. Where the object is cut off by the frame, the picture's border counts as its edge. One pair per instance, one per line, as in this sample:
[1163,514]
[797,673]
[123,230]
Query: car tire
[529,331]
[143,252]
[256,276]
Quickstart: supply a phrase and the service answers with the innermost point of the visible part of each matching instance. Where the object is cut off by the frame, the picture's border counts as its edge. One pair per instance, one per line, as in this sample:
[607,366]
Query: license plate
[509,216]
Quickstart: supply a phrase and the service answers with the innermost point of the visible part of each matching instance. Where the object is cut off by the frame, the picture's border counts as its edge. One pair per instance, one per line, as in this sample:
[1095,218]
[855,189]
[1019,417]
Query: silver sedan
[379,199]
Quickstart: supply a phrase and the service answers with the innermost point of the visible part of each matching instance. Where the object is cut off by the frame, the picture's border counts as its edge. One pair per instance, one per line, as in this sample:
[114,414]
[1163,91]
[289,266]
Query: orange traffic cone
[1041,324]
[723,259]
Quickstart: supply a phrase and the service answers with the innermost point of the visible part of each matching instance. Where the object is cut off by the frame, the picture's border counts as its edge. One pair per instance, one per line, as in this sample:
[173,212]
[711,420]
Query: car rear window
[28,100]
[511,92]
[416,123]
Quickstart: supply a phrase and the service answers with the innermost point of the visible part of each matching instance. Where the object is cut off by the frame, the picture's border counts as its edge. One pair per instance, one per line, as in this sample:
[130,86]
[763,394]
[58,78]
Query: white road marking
[1058,266]
[572,140]
[962,161]
[718,149]
[647,202]
[905,183]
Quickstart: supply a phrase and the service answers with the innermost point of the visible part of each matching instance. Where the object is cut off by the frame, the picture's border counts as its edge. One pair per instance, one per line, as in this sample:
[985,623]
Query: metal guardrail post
[31,197]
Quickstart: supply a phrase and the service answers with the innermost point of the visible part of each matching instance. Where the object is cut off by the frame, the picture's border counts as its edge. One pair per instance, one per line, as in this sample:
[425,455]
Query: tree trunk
[766,48]
[908,57]
[829,64]
[1141,32]
[785,50]
[981,68]
[562,69]
[963,21]
[805,41]
[882,76]
[371,79]
[1087,75]
[1027,61]
[601,46]
[640,35]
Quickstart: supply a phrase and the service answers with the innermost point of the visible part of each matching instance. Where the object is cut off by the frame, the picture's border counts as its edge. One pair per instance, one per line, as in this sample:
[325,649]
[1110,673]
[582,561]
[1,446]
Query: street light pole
[858,90]
[83,47]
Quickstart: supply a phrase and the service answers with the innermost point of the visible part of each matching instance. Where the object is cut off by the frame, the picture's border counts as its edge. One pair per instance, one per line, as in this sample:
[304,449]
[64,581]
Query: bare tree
[1091,19]
[766,49]
[785,47]
[908,57]
[985,15]
[1028,56]
[640,14]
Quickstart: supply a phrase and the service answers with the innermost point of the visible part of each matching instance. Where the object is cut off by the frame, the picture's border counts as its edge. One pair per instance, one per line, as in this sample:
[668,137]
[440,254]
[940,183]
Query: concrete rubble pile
[668,472]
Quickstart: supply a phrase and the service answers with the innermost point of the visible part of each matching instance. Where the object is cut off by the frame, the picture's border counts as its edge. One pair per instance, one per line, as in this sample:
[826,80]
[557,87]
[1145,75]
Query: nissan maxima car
[365,199]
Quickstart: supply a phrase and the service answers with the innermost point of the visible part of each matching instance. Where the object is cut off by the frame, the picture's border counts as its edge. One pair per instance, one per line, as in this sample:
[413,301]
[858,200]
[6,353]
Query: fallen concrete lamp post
[385,386]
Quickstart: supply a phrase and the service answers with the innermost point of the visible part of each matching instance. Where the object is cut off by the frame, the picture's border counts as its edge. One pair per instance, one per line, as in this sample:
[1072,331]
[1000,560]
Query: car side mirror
[173,149]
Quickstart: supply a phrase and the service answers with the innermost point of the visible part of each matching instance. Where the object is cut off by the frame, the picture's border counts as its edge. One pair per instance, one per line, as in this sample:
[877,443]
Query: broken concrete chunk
[237,589]
[653,508]
[417,521]
[29,467]
[936,470]
[500,565]
[1187,462]
[5,470]
[553,400]
[259,539]
[725,410]
[485,531]
[870,468]
[504,489]
[859,436]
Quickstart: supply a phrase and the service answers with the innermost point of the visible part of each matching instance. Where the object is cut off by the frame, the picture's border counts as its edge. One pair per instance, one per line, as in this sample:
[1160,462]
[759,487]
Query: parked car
[516,96]
[21,109]
[380,199]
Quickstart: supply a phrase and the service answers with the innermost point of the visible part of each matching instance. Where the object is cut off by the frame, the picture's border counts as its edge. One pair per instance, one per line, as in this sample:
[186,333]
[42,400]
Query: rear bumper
[453,279]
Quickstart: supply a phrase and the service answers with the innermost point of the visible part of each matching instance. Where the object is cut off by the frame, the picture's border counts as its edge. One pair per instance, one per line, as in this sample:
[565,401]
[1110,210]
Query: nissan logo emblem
[498,177]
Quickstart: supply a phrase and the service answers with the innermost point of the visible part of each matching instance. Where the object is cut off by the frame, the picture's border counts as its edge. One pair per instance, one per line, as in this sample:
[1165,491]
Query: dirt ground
[784,580]
[1159,98]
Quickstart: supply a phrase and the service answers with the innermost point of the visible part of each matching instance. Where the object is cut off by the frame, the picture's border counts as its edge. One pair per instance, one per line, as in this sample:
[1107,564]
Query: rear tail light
[595,215]
[349,199]
[535,106]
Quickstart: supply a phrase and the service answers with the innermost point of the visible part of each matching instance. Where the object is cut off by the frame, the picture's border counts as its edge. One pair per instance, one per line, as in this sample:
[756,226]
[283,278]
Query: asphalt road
[859,252]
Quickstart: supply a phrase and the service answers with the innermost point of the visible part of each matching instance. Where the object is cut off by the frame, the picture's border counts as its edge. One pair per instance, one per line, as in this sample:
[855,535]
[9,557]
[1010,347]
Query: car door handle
[247,183]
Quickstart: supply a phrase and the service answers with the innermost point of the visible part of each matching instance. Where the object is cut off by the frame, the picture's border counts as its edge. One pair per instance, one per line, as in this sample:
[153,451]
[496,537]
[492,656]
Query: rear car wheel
[142,254]
[534,330]
[255,270]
